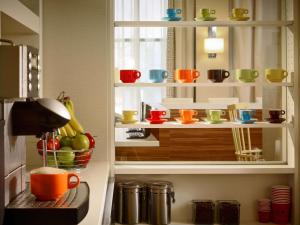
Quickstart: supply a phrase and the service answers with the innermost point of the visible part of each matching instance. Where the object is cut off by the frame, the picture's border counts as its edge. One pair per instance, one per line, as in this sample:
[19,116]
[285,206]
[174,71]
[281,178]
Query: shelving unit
[226,23]
[205,125]
[210,178]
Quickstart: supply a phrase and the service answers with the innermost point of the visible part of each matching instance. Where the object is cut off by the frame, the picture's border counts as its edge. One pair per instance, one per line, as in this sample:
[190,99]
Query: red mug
[129,76]
[156,114]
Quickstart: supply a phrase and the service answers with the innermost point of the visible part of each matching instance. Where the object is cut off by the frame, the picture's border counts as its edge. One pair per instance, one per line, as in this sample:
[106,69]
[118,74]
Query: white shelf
[225,84]
[207,105]
[225,23]
[122,141]
[201,169]
[20,13]
[204,125]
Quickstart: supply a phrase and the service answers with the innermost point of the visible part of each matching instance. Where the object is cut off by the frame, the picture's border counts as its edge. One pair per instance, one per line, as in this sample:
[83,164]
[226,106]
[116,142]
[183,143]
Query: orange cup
[186,76]
[49,184]
[187,114]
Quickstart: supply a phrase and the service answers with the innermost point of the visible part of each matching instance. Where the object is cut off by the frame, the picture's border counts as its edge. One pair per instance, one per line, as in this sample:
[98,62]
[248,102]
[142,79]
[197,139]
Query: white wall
[75,60]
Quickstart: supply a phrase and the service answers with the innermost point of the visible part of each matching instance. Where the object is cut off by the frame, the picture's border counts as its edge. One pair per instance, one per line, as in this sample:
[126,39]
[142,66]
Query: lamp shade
[213,45]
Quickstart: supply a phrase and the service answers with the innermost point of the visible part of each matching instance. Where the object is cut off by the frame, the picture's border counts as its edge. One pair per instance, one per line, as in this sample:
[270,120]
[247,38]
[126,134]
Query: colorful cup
[275,75]
[205,12]
[246,75]
[158,76]
[239,12]
[186,75]
[172,12]
[246,114]
[215,114]
[276,114]
[129,76]
[217,76]
[129,116]
[157,114]
[187,114]
[49,184]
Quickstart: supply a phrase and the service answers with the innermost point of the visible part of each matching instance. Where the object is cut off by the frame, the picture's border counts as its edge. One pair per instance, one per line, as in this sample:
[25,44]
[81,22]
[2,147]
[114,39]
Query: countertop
[96,175]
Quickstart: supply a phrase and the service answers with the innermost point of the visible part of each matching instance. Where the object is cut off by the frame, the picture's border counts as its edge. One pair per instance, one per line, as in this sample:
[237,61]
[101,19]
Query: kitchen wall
[75,61]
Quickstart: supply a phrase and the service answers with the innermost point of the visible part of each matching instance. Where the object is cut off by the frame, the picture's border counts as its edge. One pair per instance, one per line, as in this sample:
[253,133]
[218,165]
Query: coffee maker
[24,113]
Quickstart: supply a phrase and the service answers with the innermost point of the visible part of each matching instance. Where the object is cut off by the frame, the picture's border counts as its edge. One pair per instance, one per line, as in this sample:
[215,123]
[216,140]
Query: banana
[73,122]
[63,131]
[69,130]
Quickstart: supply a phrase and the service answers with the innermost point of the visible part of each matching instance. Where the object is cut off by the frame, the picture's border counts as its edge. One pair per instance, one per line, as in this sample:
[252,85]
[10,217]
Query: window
[139,48]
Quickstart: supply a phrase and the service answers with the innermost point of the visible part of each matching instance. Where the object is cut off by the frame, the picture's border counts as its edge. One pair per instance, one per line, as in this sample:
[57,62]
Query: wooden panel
[189,144]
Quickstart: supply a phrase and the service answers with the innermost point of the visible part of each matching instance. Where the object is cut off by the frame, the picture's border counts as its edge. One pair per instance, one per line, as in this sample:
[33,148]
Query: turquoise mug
[246,114]
[158,76]
[173,12]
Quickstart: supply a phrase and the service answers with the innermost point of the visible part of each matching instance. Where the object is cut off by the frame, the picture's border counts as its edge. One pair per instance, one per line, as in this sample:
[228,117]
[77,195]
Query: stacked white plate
[281,194]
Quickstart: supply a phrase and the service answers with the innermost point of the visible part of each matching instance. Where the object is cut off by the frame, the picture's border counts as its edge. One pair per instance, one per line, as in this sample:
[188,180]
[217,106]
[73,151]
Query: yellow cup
[275,75]
[129,116]
[239,12]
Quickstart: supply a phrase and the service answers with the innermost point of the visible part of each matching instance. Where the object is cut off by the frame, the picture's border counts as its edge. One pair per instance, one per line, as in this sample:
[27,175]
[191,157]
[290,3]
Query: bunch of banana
[74,124]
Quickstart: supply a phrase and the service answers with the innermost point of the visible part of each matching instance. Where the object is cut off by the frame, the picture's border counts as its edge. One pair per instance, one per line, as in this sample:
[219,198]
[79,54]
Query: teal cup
[246,114]
[158,76]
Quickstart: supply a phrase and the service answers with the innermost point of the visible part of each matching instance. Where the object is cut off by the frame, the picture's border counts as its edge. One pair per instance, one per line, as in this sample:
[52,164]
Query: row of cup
[214,116]
[207,14]
[214,75]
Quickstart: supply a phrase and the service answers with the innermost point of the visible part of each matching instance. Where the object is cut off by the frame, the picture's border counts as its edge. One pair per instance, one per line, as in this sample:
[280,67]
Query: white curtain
[139,48]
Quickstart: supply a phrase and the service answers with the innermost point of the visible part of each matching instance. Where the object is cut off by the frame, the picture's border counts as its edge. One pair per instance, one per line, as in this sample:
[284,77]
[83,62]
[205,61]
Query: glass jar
[203,212]
[228,212]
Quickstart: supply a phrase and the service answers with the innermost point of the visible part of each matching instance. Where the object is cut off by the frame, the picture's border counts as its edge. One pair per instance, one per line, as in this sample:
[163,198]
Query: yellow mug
[239,12]
[275,75]
[129,116]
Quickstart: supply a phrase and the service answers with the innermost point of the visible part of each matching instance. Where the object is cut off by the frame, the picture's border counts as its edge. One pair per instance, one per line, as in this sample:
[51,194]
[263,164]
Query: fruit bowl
[68,159]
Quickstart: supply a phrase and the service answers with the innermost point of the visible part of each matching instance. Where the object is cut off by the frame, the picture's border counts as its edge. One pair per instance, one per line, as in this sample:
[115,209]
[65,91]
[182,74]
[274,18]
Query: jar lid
[202,201]
[160,184]
[130,184]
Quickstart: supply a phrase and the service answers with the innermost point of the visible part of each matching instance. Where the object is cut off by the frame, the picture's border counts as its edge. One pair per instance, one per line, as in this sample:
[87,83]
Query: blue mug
[246,114]
[173,12]
[158,76]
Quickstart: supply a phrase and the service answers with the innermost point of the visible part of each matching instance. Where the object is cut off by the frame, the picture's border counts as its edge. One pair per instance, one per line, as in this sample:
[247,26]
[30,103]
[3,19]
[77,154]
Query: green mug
[207,12]
[246,75]
[214,115]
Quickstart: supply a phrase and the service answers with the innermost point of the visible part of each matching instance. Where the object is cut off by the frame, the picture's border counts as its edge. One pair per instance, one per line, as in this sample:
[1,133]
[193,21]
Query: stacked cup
[281,202]
[264,210]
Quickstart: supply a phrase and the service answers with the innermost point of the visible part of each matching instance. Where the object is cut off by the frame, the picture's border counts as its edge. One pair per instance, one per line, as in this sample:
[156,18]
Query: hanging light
[212,44]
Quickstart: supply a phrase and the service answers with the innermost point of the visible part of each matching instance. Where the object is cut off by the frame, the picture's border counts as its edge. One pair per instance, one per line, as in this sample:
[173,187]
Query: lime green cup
[214,115]
[206,13]
[246,75]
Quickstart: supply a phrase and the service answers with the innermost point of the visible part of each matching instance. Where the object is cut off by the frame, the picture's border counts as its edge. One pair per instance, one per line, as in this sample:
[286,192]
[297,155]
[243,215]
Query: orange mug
[186,76]
[187,114]
[49,184]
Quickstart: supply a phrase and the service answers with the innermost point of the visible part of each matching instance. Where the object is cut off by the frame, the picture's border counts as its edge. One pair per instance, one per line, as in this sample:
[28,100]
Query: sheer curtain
[139,48]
